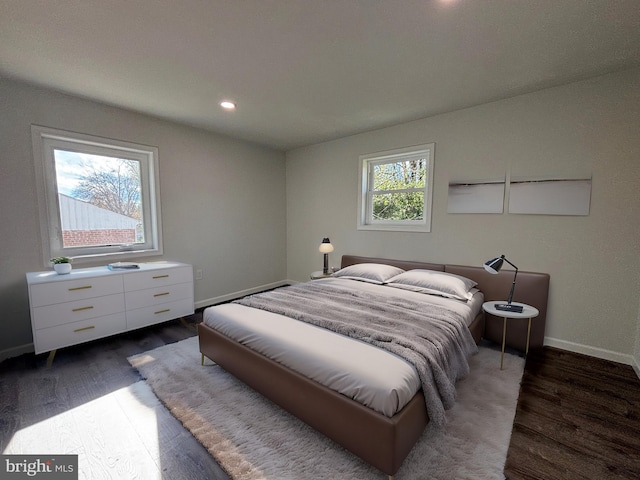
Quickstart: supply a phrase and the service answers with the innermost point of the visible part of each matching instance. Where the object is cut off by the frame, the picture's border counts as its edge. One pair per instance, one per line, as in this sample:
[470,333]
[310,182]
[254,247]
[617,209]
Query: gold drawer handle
[80,288]
[85,328]
[160,276]
[161,294]
[82,308]
[163,311]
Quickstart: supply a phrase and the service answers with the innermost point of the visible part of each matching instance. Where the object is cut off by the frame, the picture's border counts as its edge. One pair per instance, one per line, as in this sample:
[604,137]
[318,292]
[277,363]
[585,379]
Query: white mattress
[376,378]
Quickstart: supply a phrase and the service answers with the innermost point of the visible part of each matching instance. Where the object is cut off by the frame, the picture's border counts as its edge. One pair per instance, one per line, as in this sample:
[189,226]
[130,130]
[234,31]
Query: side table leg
[526,352]
[504,338]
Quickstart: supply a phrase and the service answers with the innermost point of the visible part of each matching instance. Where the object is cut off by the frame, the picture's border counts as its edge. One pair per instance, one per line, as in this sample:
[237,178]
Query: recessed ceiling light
[227,105]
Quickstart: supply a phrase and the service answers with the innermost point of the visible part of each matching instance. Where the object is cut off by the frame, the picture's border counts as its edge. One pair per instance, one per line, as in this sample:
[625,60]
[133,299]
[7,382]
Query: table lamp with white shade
[326,248]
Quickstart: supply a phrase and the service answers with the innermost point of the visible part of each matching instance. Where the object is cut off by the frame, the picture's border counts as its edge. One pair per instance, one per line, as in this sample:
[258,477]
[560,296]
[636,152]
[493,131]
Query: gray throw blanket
[435,340]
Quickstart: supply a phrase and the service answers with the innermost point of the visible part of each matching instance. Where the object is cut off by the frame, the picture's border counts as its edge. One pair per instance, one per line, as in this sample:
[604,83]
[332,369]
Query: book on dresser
[123,266]
[96,302]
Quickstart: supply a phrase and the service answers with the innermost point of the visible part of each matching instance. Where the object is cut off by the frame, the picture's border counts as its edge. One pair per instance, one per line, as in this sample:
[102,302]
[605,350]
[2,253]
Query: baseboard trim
[592,351]
[232,296]
[16,351]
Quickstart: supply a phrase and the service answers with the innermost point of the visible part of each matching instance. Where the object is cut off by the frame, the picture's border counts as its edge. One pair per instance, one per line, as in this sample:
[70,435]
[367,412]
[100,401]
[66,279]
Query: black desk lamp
[494,266]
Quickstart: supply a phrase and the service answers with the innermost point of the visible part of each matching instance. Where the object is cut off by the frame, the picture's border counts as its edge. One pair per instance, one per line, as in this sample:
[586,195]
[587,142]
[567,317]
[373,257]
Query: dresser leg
[184,322]
[50,358]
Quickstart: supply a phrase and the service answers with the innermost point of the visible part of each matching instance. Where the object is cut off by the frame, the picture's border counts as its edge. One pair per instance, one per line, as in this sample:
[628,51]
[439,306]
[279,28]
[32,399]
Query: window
[396,190]
[97,197]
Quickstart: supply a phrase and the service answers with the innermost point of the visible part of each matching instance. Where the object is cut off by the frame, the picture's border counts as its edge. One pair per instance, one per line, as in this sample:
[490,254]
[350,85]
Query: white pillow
[369,272]
[435,283]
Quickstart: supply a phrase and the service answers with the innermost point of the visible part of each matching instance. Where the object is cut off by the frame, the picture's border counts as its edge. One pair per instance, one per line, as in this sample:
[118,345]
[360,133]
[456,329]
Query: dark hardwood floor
[91,402]
[578,417]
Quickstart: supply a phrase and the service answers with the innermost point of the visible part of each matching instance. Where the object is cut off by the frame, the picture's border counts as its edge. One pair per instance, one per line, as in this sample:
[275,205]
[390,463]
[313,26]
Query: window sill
[114,256]
[396,228]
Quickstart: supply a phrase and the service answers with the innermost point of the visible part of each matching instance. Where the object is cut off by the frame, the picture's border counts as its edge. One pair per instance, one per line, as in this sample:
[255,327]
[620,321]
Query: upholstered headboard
[532,288]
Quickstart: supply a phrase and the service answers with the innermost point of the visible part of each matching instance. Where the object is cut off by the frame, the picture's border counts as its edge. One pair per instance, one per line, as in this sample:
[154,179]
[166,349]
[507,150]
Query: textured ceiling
[306,71]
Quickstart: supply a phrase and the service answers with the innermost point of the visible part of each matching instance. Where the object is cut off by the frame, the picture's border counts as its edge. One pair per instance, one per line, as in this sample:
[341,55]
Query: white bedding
[378,379]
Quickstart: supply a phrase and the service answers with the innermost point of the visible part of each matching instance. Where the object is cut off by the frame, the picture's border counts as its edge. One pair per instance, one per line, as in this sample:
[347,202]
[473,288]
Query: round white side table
[527,312]
[318,274]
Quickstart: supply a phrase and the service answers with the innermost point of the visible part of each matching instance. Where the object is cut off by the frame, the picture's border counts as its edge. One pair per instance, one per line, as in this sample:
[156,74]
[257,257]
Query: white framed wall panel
[550,197]
[476,197]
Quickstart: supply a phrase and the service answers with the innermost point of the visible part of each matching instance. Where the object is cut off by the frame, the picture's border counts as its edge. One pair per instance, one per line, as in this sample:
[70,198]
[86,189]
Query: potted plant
[62,265]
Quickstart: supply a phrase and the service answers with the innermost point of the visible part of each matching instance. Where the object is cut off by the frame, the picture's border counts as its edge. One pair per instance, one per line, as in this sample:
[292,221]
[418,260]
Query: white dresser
[91,303]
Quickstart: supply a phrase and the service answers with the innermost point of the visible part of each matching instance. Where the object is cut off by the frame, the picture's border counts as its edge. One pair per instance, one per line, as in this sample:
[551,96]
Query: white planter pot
[62,268]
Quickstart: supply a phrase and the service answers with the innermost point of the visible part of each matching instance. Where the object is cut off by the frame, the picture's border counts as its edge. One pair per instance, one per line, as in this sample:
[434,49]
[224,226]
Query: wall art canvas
[550,196]
[476,197]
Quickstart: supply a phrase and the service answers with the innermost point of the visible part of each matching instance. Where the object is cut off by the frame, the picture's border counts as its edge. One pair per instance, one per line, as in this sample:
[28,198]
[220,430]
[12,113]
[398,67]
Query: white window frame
[365,196]
[45,140]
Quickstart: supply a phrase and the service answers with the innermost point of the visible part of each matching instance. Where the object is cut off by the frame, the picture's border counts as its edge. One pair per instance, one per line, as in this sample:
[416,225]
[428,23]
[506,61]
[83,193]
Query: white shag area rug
[252,438]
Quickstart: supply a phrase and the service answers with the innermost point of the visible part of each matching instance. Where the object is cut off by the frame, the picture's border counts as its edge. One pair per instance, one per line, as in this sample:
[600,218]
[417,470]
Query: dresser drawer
[141,317]
[60,336]
[155,296]
[71,290]
[157,278]
[61,313]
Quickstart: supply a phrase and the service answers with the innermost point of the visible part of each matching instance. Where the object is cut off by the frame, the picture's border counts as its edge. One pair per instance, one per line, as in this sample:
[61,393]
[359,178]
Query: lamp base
[508,307]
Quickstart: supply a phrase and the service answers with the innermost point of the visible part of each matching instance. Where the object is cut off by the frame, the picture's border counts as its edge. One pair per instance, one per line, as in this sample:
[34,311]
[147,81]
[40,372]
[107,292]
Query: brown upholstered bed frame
[379,440]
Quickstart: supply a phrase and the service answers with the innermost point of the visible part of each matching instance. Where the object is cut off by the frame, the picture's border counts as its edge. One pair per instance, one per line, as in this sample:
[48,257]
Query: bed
[380,434]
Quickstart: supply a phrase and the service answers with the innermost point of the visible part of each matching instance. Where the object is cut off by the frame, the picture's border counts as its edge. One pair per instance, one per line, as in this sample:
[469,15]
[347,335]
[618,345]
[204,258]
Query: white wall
[223,201]
[590,128]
